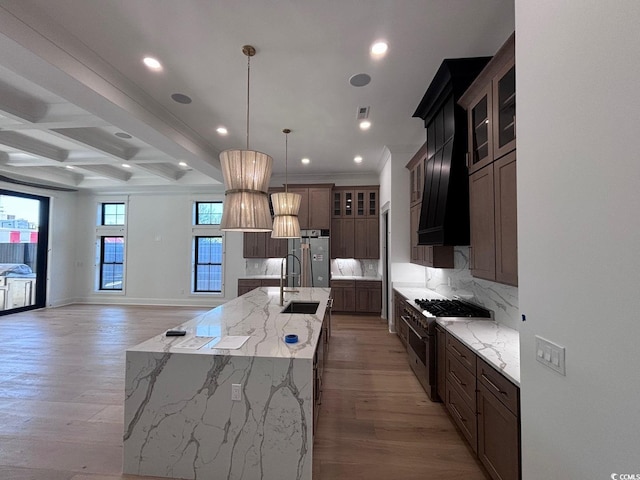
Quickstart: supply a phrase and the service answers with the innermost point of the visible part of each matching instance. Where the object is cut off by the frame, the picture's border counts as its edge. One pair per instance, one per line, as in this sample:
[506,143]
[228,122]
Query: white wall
[158,251]
[578,75]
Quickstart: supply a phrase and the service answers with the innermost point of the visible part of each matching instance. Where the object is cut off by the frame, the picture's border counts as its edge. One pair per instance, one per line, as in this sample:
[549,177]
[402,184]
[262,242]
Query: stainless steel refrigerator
[318,258]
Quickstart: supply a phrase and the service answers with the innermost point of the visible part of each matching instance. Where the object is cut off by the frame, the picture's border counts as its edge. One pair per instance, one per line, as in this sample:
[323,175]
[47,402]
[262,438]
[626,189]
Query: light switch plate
[550,355]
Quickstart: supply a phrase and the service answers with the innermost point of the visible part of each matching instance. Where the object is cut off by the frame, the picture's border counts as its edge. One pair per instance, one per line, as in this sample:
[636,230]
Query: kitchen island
[180,420]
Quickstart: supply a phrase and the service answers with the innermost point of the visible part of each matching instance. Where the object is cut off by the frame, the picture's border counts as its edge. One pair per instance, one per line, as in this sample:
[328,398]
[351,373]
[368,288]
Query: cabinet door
[349,298]
[375,299]
[342,238]
[441,349]
[366,238]
[417,252]
[360,238]
[505,195]
[498,437]
[373,238]
[480,136]
[337,294]
[303,213]
[504,110]
[319,206]
[276,247]
[254,245]
[481,212]
[366,203]
[362,300]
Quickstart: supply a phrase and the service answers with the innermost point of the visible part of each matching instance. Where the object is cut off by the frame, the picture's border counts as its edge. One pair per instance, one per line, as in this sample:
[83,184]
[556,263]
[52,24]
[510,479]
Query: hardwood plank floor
[62,389]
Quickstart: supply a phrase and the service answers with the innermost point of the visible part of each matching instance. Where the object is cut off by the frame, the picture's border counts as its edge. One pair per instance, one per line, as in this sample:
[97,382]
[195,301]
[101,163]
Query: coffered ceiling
[73,88]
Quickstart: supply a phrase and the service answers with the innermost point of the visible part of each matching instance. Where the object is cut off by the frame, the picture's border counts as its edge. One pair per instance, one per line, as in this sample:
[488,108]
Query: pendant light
[246,178]
[286,204]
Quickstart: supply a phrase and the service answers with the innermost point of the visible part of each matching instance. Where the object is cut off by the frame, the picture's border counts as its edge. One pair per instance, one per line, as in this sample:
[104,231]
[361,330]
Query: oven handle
[419,335]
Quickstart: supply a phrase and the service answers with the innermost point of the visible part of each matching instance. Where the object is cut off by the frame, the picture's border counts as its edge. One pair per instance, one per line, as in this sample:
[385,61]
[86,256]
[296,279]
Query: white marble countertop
[495,343]
[256,314]
[259,277]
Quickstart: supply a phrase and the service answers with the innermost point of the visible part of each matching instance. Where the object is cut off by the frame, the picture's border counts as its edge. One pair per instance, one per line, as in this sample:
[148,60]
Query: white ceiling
[71,77]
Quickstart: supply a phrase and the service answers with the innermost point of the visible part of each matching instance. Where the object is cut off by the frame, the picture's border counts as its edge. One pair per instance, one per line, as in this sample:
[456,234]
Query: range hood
[444,217]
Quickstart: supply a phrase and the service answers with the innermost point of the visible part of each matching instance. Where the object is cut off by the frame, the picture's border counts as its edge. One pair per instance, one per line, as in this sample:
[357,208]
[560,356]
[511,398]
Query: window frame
[102,263]
[111,230]
[197,264]
[196,220]
[103,206]
[206,230]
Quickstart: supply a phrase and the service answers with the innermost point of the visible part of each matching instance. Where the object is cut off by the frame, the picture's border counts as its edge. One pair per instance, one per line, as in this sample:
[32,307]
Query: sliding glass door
[24,227]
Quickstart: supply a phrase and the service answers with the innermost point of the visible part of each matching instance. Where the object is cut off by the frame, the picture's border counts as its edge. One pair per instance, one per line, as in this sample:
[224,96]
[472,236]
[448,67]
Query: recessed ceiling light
[365,125]
[70,167]
[183,164]
[306,161]
[357,159]
[378,49]
[122,135]
[126,165]
[181,98]
[360,79]
[152,64]
[222,130]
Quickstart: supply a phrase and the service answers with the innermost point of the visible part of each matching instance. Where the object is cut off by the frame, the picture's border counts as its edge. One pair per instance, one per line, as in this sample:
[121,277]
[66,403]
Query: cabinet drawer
[368,284]
[461,352]
[343,283]
[498,384]
[463,379]
[463,416]
[270,282]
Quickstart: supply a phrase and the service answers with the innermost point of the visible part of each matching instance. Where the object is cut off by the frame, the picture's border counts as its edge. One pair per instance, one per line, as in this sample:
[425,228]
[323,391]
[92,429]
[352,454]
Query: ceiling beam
[18,106]
[55,175]
[164,170]
[108,172]
[95,140]
[33,146]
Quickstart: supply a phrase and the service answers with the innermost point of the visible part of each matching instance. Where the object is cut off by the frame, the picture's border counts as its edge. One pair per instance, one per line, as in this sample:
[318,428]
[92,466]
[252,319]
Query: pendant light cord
[286,162]
[248,81]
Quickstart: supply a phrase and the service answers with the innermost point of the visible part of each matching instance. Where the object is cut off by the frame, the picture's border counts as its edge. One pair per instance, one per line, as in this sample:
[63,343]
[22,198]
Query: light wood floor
[62,387]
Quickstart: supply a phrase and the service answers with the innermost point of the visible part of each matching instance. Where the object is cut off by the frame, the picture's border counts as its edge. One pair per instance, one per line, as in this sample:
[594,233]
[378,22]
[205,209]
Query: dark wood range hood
[444,217]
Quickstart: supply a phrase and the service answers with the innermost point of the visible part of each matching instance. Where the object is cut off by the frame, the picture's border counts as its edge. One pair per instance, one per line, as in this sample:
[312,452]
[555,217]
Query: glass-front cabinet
[504,92]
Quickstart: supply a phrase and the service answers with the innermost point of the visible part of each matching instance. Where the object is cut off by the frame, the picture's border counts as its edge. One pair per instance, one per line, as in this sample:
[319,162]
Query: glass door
[24,222]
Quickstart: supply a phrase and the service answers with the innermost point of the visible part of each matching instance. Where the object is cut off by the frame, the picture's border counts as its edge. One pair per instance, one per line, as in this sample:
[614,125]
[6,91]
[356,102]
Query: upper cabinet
[491,113]
[315,206]
[355,224]
[490,102]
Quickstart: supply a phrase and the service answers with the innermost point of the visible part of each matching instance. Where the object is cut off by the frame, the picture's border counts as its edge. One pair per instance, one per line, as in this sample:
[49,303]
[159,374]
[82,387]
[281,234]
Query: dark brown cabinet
[261,245]
[355,223]
[342,238]
[441,356]
[399,304]
[491,115]
[366,238]
[485,406]
[369,296]
[245,285]
[498,424]
[344,295]
[315,206]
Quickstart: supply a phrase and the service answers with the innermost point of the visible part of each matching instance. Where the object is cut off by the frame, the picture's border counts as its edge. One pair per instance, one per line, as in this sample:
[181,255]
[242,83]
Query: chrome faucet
[284,276]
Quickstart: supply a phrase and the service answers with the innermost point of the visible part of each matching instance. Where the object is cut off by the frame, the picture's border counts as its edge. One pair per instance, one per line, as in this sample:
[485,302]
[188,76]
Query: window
[113,214]
[208,213]
[208,264]
[111,262]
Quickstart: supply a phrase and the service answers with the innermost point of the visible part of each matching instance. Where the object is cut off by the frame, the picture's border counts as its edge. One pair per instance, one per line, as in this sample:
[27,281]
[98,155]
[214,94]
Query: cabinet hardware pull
[493,384]
[456,350]
[455,377]
[460,417]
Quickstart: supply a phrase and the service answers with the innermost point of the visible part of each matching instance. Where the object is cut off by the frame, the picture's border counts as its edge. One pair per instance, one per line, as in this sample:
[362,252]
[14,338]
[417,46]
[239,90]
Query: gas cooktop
[452,308]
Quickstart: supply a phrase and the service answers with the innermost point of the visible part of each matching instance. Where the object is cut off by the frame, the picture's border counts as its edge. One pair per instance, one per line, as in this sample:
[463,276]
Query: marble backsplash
[351,267]
[339,267]
[502,299]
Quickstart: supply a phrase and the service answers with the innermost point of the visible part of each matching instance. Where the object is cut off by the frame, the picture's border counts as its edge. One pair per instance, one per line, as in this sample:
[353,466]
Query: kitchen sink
[301,307]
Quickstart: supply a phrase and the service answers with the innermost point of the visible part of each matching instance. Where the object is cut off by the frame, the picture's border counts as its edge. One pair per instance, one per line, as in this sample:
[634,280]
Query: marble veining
[497,344]
[180,421]
[353,267]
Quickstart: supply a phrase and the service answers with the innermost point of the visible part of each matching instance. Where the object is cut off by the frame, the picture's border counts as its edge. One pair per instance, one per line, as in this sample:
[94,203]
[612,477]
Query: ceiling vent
[363,113]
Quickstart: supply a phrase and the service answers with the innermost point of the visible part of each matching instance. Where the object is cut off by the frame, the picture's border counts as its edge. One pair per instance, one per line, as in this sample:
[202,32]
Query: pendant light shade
[246,204]
[246,178]
[286,206]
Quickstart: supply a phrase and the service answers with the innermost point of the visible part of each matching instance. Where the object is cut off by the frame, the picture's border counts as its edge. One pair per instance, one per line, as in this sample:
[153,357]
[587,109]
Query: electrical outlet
[236,392]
